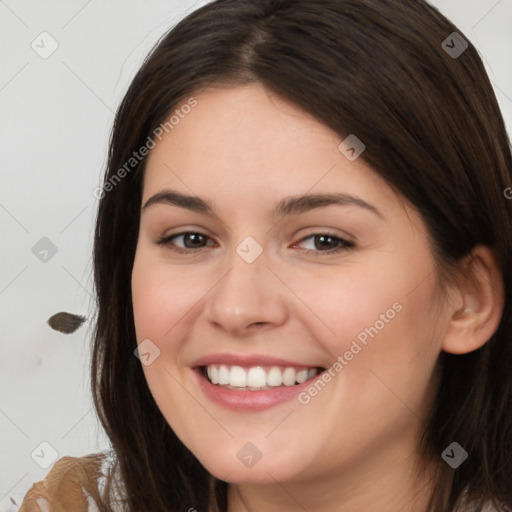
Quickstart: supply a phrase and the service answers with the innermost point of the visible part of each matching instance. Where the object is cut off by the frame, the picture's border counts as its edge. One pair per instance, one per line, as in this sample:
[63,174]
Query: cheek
[161,298]
[380,313]
[341,303]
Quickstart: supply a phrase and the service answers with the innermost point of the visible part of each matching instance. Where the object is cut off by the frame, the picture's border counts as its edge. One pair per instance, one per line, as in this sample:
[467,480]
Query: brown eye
[193,240]
[189,240]
[325,243]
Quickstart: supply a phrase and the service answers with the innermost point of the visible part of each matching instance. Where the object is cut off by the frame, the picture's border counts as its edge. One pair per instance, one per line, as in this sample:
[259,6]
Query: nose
[248,298]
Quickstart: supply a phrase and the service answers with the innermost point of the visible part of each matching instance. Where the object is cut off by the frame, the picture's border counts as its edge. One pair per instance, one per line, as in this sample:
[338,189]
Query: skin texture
[243,150]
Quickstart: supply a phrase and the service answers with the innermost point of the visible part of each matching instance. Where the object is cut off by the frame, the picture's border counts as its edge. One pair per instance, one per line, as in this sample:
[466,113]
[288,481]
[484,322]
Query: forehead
[246,142]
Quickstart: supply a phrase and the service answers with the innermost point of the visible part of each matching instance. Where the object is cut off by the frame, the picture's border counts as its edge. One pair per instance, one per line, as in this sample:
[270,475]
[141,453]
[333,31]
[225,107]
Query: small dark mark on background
[66,323]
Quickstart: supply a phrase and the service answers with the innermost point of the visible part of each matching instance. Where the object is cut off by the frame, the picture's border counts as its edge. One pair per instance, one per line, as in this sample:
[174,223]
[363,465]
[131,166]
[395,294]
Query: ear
[480,306]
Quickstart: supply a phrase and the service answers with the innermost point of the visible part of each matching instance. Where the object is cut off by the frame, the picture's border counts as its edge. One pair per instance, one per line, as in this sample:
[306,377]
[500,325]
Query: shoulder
[72,485]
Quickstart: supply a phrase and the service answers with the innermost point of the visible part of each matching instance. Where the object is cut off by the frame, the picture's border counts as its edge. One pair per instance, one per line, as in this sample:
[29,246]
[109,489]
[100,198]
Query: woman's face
[300,259]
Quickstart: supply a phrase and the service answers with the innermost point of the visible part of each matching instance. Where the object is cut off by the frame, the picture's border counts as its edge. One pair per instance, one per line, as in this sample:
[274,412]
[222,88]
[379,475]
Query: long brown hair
[432,129]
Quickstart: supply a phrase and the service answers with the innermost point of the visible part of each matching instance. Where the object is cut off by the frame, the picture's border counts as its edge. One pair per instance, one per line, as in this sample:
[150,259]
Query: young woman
[303,264]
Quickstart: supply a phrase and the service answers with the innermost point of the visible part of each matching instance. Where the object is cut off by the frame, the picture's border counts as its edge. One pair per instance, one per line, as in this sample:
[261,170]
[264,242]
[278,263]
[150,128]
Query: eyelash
[343,244]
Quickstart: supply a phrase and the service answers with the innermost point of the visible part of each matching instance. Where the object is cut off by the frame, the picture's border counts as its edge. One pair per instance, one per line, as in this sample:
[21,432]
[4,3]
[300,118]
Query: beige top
[72,485]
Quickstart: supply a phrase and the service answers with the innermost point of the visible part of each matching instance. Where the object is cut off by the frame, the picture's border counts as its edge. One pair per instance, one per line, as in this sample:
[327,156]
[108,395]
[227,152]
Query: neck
[386,485]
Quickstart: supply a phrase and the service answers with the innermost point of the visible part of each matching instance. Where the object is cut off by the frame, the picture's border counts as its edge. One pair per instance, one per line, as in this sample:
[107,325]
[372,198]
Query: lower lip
[250,400]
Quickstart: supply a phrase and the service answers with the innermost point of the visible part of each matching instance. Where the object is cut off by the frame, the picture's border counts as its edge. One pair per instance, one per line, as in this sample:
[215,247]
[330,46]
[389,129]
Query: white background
[56,115]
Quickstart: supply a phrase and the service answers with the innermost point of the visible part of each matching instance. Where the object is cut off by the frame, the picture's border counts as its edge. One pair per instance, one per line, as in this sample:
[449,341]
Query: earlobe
[481,289]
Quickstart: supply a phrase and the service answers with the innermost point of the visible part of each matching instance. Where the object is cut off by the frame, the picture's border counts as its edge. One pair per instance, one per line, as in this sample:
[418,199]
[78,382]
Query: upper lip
[248,360]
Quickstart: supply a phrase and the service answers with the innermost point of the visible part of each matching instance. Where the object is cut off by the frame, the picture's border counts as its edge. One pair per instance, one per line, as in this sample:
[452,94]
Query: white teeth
[223,375]
[302,376]
[258,377]
[238,377]
[274,377]
[289,376]
[213,373]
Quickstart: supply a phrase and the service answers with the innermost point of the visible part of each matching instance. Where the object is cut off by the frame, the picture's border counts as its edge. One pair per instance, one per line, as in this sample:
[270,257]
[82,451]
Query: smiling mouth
[257,378]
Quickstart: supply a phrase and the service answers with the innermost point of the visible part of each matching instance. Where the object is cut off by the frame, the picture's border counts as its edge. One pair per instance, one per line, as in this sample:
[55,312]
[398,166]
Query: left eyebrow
[294,205]
[300,204]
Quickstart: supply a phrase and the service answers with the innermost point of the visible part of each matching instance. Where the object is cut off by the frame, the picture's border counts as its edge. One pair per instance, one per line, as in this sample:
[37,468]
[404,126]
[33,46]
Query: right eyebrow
[173,198]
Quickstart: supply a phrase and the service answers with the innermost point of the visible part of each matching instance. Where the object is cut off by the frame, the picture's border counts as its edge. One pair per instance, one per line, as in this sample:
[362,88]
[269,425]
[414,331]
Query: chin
[265,470]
